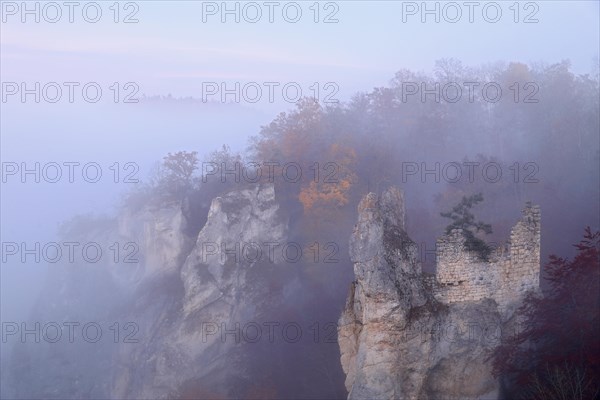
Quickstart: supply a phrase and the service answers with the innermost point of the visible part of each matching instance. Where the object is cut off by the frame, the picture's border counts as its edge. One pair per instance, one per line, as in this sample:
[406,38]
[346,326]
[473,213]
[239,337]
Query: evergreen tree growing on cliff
[462,218]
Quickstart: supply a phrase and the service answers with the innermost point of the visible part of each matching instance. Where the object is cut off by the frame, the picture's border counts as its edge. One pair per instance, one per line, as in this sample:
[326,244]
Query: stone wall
[513,268]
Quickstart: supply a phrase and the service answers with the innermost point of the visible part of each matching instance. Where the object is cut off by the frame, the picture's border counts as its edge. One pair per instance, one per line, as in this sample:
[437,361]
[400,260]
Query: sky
[176,46]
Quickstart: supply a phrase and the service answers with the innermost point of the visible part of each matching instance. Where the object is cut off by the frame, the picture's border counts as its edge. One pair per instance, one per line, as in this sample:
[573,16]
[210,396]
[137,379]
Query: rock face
[159,234]
[180,308]
[179,303]
[407,335]
[81,317]
[232,241]
[195,346]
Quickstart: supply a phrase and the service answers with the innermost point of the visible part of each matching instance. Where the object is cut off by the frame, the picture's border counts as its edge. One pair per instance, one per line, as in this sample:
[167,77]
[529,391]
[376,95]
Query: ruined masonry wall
[512,270]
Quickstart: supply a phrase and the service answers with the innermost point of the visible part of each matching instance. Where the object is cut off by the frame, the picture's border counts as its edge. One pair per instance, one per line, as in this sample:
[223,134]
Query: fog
[92,108]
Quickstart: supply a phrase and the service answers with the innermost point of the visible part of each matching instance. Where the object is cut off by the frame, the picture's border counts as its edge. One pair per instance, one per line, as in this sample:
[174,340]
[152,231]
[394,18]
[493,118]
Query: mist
[171,135]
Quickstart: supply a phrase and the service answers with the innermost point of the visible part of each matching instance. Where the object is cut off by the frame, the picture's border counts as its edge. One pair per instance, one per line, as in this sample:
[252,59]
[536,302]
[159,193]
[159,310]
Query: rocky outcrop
[233,240]
[180,304]
[194,345]
[191,313]
[159,234]
[399,338]
[100,305]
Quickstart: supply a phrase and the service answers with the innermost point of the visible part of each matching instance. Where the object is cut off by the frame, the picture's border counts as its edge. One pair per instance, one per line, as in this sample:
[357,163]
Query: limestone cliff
[189,352]
[407,335]
[173,304]
[180,319]
[140,250]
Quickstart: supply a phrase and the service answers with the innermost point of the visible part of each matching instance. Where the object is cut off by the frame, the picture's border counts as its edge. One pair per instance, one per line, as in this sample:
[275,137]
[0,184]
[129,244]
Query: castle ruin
[512,270]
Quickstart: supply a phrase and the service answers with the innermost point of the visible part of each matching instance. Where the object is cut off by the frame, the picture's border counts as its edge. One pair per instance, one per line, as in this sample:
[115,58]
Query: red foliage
[562,327]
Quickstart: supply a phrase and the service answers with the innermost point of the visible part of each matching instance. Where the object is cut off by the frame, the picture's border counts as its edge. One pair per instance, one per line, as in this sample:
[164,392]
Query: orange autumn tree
[329,190]
[297,138]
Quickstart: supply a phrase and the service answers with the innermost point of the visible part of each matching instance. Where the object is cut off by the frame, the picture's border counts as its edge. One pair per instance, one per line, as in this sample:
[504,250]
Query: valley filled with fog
[240,200]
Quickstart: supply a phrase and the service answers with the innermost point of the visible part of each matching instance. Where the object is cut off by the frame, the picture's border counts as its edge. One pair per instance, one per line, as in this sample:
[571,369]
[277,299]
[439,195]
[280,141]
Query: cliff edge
[408,335]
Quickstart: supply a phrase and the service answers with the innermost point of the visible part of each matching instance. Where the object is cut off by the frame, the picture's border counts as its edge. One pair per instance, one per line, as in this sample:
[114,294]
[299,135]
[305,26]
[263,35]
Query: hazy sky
[171,49]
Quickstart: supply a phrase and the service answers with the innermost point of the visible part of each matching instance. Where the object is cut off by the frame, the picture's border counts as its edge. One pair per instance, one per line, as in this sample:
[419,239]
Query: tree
[330,191]
[168,181]
[181,165]
[176,174]
[222,166]
[556,354]
[463,219]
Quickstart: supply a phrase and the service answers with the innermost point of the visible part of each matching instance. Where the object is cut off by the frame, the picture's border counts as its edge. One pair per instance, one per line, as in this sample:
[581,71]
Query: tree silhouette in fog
[463,219]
